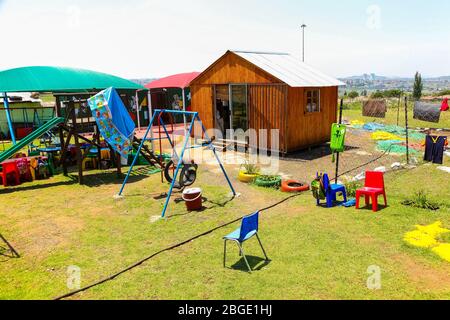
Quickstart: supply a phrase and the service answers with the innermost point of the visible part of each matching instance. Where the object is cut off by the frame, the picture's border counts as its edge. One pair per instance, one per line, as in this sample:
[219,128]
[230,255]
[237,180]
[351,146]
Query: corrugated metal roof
[288,69]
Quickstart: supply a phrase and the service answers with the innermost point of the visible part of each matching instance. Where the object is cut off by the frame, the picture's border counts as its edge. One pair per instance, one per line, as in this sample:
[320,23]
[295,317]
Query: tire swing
[188,174]
[294,186]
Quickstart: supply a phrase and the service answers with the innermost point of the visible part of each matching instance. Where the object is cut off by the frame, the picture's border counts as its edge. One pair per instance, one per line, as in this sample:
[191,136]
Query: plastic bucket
[193,199]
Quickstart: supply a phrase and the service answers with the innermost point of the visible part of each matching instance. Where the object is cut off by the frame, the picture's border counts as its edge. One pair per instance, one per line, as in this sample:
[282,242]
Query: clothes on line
[427,112]
[375,109]
[444,106]
[434,149]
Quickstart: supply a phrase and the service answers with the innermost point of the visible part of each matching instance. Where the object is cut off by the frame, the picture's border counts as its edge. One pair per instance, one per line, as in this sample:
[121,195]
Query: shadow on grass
[364,208]
[9,252]
[313,153]
[204,208]
[29,187]
[256,263]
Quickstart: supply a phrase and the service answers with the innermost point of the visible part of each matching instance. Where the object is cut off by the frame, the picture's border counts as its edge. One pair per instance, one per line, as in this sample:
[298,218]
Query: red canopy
[181,80]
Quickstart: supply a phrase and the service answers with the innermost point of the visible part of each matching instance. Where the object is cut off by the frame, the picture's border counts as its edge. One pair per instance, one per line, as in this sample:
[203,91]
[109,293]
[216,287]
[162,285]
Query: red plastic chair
[10,168]
[373,188]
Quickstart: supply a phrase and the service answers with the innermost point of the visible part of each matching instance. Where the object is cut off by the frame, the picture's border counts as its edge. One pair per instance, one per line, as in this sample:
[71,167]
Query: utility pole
[303,26]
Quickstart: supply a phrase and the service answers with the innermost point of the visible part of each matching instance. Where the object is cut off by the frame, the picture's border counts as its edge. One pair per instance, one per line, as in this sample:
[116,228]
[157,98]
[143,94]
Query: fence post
[398,109]
[341,108]
[407,130]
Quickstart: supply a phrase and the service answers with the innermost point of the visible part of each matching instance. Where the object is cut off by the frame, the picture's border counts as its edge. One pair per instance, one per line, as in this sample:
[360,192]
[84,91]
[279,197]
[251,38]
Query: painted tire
[286,186]
[246,178]
[267,184]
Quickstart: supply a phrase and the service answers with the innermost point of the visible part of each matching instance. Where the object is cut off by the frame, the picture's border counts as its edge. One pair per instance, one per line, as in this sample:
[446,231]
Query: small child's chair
[249,229]
[373,188]
[331,191]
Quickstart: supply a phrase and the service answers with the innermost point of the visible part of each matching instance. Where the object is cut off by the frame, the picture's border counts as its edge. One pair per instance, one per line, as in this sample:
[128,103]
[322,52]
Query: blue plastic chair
[248,229]
[331,191]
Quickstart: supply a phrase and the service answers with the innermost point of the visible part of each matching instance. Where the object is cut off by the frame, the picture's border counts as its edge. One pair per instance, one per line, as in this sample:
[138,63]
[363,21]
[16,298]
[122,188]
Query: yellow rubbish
[357,123]
[383,135]
[443,251]
[428,237]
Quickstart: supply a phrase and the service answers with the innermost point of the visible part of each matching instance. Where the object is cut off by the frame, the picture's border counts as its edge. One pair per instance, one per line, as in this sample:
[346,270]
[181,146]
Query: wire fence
[384,135]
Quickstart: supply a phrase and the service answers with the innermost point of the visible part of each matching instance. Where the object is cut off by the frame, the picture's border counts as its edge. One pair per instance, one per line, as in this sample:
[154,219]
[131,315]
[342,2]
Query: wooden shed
[259,90]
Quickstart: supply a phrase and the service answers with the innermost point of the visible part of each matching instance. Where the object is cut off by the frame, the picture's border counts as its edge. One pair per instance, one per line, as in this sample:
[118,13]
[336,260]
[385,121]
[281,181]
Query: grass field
[315,253]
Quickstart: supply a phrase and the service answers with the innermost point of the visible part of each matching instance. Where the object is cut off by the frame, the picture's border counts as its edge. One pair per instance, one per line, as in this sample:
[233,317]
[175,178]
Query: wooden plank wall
[267,105]
[305,129]
[202,102]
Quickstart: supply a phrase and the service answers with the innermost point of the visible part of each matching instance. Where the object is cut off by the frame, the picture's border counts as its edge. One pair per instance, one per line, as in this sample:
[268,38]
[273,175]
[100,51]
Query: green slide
[30,138]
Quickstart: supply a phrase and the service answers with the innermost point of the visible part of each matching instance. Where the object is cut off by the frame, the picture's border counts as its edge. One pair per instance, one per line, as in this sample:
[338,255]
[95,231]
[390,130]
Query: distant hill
[143,82]
[374,77]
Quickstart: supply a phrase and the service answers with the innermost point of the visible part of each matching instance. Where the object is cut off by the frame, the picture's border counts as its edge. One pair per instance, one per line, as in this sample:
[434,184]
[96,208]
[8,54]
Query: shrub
[351,187]
[250,168]
[420,200]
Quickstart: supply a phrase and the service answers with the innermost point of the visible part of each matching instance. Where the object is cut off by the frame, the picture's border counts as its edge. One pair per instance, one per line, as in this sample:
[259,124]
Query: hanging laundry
[444,106]
[427,112]
[375,109]
[434,149]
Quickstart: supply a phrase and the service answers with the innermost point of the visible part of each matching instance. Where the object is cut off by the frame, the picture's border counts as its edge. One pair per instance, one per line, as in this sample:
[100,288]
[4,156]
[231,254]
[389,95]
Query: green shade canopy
[58,79]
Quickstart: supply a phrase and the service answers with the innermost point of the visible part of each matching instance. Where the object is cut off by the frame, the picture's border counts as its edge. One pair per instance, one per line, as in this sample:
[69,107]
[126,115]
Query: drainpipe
[8,117]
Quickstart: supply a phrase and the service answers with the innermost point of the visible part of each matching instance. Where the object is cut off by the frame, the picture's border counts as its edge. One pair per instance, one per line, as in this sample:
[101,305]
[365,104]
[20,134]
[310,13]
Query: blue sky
[153,38]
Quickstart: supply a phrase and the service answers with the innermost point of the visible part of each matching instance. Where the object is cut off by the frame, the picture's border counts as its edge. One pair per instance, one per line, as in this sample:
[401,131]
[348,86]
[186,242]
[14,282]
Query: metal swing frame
[209,144]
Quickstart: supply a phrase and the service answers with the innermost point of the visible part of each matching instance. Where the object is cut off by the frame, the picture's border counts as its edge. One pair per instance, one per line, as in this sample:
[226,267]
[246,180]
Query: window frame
[319,102]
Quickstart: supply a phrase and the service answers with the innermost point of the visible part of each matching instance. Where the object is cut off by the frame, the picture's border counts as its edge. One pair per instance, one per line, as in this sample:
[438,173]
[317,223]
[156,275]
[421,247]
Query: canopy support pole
[184,109]
[150,116]
[8,117]
[137,111]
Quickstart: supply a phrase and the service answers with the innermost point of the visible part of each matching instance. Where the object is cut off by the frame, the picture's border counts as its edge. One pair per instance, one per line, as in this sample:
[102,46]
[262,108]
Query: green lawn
[316,253]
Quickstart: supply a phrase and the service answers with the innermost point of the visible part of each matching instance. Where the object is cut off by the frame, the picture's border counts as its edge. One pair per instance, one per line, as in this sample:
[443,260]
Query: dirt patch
[426,277]
[39,237]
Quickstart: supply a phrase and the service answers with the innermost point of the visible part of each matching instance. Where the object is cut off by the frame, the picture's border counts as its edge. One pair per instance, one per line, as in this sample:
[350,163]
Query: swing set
[183,174]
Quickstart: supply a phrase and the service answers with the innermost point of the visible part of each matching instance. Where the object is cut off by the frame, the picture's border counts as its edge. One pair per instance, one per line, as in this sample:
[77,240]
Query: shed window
[312,100]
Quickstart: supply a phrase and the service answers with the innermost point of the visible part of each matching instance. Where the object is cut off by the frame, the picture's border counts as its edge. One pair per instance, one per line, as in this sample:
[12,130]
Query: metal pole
[180,162]
[184,109]
[215,154]
[136,156]
[398,109]
[341,108]
[150,116]
[407,131]
[303,26]
[8,117]
[137,111]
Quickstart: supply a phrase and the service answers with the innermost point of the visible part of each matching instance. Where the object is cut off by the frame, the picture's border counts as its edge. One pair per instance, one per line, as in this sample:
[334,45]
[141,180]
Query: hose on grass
[140,262]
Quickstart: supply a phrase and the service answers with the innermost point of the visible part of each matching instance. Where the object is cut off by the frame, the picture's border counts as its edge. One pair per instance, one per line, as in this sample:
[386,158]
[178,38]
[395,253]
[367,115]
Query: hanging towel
[434,149]
[427,112]
[375,109]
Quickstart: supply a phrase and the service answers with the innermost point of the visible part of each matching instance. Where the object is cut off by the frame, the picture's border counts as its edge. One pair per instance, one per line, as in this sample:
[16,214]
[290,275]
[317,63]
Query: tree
[418,86]
[377,95]
[353,95]
[393,93]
